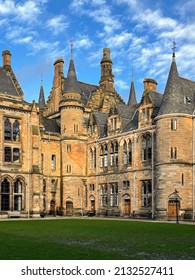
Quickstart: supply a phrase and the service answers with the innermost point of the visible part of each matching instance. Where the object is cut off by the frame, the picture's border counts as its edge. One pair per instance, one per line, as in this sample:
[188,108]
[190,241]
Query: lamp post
[176,205]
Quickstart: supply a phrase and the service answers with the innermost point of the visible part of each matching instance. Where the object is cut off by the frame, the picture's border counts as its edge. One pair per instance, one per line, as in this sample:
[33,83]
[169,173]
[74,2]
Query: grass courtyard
[93,239]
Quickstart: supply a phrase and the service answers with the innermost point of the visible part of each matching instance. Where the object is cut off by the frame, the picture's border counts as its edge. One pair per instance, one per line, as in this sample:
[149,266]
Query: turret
[71,106]
[107,77]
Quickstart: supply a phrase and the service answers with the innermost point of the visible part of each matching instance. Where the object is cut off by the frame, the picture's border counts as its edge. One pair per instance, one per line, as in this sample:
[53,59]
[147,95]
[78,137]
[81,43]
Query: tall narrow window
[129,152]
[173,124]
[101,156]
[5,195]
[76,128]
[68,168]
[125,152]
[173,152]
[113,194]
[105,155]
[91,158]
[16,155]
[94,158]
[8,154]
[16,131]
[146,194]
[7,130]
[114,154]
[42,161]
[53,162]
[103,195]
[17,195]
[182,179]
[53,186]
[146,147]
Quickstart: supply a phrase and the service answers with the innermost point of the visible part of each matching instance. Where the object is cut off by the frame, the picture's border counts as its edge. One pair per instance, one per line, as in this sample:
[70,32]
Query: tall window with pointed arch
[11,130]
[127,152]
[104,155]
[114,154]
[146,143]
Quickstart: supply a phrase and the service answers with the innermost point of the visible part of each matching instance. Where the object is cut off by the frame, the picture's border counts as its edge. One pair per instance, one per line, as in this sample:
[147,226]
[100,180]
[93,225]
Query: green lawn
[92,239]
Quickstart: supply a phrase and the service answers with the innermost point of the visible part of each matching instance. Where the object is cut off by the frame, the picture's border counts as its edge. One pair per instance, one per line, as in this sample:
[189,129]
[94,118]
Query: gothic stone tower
[174,148]
[73,144]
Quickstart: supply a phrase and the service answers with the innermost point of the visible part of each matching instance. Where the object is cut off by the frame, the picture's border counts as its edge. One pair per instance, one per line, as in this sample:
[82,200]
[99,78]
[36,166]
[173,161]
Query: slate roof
[71,84]
[101,121]
[6,84]
[86,91]
[41,101]
[50,125]
[132,95]
[176,91]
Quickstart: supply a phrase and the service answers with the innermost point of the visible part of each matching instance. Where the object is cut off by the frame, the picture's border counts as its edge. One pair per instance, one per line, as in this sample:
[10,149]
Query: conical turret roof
[71,84]
[173,98]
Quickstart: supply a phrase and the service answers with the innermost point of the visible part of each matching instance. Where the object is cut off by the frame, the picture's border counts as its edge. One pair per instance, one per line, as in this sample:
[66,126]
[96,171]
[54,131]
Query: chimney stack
[150,84]
[6,59]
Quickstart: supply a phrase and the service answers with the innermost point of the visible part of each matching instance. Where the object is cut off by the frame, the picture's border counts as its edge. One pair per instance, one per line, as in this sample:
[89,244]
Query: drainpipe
[152,174]
[28,155]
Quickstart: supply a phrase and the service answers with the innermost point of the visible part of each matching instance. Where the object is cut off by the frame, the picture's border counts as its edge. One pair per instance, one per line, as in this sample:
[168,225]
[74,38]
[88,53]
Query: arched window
[16,131]
[7,130]
[146,194]
[104,156]
[103,195]
[91,158]
[114,154]
[94,158]
[18,186]
[18,195]
[146,147]
[125,152]
[5,195]
[113,194]
[130,152]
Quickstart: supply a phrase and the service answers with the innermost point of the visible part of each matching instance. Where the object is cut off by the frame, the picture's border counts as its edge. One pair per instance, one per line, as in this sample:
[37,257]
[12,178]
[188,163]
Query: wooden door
[69,208]
[92,205]
[52,207]
[127,206]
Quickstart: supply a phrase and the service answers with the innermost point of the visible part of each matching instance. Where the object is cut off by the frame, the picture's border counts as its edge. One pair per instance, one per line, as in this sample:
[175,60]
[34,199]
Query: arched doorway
[52,207]
[92,206]
[69,208]
[173,205]
[127,205]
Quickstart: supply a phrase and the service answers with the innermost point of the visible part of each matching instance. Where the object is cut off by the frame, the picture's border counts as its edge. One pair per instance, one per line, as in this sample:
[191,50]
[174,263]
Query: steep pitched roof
[71,84]
[176,91]
[132,95]
[41,102]
[50,125]
[7,85]
[101,121]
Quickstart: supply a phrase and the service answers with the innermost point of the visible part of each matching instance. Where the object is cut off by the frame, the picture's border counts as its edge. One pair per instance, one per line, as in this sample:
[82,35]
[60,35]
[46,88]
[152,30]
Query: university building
[84,149]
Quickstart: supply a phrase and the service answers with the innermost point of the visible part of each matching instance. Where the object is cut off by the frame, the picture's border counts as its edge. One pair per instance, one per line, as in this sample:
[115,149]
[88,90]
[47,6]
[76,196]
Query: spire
[71,84]
[132,95]
[173,98]
[41,101]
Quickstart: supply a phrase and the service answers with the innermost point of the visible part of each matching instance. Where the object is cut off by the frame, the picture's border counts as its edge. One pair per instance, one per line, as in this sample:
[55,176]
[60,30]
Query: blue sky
[138,32]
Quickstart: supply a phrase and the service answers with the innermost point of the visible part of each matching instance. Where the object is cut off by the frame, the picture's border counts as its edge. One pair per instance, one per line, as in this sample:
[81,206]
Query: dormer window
[187,100]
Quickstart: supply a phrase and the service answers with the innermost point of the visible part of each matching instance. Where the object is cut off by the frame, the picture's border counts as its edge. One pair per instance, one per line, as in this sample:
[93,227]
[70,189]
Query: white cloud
[7,7]
[121,85]
[57,24]
[119,40]
[83,42]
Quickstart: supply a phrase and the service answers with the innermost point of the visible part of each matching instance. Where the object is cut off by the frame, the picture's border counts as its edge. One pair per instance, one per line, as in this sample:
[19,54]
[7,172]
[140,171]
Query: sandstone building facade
[84,149]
